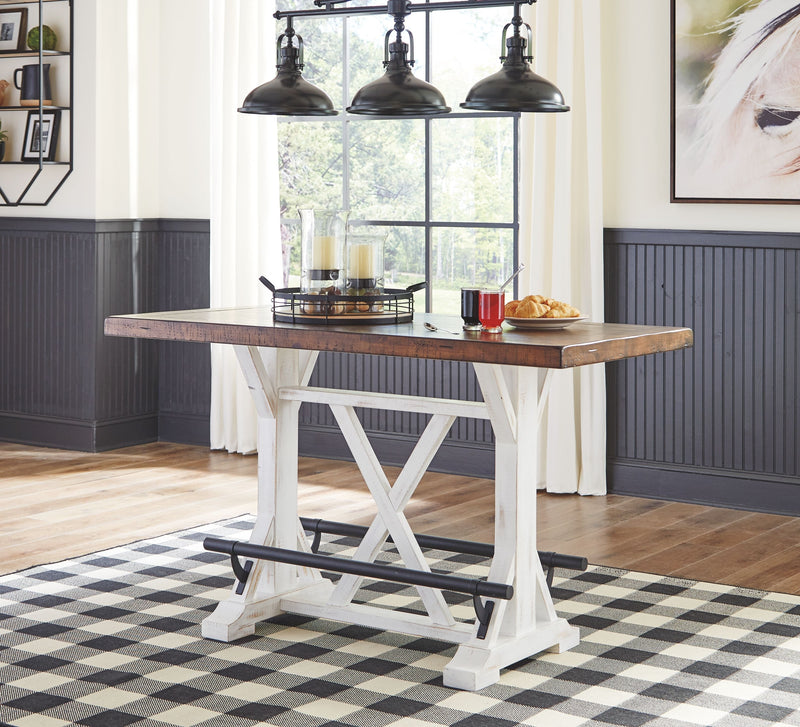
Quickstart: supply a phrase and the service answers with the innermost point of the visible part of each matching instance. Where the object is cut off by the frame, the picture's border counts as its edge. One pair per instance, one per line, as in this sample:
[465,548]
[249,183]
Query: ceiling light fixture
[288,94]
[515,87]
[398,92]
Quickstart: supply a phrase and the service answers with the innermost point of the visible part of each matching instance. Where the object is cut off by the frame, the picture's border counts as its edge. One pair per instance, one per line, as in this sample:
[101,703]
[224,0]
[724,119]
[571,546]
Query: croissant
[562,310]
[531,309]
[538,299]
[539,306]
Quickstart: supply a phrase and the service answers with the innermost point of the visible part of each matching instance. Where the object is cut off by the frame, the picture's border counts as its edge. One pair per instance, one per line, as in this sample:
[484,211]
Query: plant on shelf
[3,139]
[50,38]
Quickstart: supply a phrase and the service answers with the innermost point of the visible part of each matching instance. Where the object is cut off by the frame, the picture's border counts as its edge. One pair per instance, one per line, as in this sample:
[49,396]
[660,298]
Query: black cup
[469,309]
[26,79]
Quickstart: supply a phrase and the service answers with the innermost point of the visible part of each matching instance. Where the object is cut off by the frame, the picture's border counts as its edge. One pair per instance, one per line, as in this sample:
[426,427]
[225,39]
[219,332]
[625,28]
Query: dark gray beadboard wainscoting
[62,382]
[718,423]
[184,371]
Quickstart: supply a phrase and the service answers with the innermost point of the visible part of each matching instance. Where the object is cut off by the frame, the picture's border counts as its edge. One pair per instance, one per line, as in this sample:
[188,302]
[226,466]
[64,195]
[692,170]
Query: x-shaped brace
[391,502]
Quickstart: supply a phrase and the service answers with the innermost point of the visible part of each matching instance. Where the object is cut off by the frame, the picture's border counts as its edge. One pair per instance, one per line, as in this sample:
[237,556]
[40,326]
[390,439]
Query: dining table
[278,569]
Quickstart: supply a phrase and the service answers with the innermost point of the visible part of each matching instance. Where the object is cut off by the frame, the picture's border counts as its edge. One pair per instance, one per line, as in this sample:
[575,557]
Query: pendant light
[398,92]
[288,94]
[515,87]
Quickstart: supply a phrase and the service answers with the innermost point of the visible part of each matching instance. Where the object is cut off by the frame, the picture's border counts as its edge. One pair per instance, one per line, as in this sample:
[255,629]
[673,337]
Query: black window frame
[428,224]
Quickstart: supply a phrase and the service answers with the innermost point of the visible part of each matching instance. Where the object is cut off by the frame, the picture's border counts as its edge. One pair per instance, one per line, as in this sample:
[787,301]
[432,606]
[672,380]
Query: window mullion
[428,177]
[345,120]
[436,224]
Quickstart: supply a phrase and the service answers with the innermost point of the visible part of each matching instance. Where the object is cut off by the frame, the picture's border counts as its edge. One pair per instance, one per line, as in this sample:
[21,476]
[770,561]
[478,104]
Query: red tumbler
[491,310]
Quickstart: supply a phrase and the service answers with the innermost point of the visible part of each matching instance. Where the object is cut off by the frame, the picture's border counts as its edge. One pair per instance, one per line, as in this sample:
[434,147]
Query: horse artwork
[736,101]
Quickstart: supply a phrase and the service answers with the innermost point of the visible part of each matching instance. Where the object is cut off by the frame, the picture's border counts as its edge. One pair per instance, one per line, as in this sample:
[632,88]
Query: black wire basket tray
[394,305]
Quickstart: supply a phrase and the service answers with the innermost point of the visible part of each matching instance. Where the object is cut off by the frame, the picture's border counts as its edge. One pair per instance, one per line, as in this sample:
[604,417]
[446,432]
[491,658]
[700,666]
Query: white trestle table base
[514,388]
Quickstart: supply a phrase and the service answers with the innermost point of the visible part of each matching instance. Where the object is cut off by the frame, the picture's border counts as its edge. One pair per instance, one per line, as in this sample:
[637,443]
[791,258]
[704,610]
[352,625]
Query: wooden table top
[580,344]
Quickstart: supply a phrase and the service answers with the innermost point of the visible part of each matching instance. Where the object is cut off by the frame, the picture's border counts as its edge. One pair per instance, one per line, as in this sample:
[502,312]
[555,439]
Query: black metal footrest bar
[548,559]
[444,582]
[474,587]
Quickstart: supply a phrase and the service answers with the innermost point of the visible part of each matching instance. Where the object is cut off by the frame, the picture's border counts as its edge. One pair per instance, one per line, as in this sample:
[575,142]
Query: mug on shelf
[26,79]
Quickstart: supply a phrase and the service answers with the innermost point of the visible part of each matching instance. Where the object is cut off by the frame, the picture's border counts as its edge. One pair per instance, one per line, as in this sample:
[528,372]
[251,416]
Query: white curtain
[245,217]
[561,232]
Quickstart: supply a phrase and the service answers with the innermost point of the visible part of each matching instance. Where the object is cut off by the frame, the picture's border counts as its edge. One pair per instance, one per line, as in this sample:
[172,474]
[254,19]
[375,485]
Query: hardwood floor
[59,504]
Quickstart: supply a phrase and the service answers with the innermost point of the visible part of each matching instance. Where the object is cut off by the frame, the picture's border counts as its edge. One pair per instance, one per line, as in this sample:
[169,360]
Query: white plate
[544,324]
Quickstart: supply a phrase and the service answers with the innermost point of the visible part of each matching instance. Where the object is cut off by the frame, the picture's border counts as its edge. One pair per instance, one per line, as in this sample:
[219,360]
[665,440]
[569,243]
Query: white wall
[141,113]
[142,130]
[153,114]
[636,132]
[185,109]
[77,197]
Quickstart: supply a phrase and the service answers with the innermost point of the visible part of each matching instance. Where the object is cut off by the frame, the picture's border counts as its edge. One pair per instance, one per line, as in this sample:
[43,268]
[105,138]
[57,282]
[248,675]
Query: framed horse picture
[736,101]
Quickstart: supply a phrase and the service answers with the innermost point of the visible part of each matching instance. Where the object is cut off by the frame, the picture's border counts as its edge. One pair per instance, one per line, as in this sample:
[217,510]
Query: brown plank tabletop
[580,344]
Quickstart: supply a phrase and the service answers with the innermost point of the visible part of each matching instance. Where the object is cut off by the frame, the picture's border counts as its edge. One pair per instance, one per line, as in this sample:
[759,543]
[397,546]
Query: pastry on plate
[539,306]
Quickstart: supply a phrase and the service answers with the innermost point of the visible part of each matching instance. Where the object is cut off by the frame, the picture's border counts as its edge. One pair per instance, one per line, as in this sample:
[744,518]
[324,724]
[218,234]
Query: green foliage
[471,167]
[50,38]
[3,133]
[387,163]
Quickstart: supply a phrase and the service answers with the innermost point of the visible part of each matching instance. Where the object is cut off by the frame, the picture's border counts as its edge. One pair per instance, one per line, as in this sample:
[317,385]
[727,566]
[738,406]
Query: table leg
[527,624]
[277,523]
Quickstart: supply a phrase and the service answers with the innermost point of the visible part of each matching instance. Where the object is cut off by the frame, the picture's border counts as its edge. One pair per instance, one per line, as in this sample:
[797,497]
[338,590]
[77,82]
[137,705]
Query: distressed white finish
[514,402]
[396,402]
[527,624]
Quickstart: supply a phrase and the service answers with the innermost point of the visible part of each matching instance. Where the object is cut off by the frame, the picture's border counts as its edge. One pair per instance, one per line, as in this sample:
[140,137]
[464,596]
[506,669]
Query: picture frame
[735,132]
[13,29]
[41,132]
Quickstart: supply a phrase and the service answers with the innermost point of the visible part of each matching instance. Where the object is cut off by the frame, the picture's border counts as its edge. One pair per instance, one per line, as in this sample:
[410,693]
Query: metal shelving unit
[26,191]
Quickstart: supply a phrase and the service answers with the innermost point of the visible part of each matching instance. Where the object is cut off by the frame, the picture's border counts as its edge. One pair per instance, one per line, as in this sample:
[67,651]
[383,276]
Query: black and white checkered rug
[113,639]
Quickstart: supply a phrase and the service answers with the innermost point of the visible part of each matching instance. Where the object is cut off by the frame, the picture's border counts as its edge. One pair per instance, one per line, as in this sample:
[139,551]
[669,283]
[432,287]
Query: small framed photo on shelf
[13,24]
[41,136]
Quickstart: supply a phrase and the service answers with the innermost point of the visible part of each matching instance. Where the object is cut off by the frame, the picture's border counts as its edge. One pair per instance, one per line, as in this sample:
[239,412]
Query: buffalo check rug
[113,639]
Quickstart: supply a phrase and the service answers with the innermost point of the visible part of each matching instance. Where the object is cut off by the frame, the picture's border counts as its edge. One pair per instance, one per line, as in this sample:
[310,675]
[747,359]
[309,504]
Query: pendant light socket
[398,92]
[288,94]
[515,87]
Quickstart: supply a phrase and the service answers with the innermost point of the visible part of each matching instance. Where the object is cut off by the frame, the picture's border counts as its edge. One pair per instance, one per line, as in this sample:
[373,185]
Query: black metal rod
[450,545]
[485,550]
[361,568]
[382,9]
[561,560]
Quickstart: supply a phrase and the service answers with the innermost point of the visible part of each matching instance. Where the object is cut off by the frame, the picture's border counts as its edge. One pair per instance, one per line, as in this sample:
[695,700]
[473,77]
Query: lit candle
[361,264]
[323,253]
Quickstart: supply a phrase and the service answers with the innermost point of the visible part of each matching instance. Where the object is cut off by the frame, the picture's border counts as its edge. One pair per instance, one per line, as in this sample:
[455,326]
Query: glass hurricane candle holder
[365,269]
[323,234]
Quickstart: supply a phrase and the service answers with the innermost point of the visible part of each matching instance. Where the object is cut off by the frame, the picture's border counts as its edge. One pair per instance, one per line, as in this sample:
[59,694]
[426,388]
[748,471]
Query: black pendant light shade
[288,94]
[515,87]
[398,92]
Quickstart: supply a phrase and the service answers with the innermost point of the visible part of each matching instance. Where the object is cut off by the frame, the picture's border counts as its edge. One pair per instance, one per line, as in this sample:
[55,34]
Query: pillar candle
[323,253]
[361,264]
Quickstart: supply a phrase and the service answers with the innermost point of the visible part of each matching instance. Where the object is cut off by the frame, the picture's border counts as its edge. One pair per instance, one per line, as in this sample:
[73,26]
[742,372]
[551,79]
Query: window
[444,187]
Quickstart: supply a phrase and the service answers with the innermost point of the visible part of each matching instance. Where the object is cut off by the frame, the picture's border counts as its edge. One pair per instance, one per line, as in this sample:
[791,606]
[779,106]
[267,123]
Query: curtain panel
[245,211]
[561,231]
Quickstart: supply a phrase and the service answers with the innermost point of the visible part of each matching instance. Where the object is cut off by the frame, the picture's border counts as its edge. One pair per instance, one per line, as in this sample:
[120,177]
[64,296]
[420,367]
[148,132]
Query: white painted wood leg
[391,501]
[277,523]
[400,494]
[527,624]
[521,627]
